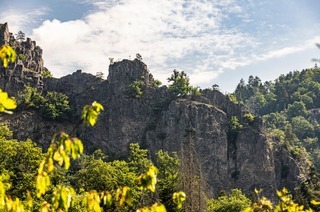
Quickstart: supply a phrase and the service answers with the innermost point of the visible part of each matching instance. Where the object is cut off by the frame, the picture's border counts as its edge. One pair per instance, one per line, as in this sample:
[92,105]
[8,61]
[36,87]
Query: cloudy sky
[213,41]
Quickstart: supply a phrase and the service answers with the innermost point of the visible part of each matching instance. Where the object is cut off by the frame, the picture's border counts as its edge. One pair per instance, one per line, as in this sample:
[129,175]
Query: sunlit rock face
[28,67]
[156,120]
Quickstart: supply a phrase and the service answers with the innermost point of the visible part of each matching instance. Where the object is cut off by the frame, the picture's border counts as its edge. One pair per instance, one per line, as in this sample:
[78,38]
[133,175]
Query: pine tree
[20,36]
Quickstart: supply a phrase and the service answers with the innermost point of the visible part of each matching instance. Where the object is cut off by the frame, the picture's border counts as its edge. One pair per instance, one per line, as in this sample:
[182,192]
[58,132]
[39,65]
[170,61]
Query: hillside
[229,156]
[290,108]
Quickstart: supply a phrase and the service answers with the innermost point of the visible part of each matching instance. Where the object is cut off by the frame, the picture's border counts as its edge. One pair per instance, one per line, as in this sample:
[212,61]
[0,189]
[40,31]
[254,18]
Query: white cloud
[169,34]
[20,20]
[289,50]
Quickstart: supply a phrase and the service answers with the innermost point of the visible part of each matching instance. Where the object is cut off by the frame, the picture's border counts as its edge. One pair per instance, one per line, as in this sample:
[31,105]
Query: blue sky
[214,42]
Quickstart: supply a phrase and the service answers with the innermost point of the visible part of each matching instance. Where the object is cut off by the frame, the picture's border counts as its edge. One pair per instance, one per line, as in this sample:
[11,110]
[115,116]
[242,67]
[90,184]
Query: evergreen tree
[20,36]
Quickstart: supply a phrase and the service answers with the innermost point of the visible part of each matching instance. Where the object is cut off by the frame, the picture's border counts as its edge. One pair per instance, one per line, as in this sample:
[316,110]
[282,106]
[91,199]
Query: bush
[5,132]
[233,98]
[30,97]
[135,88]
[56,105]
[157,83]
[234,128]
[22,57]
[46,73]
[234,202]
[234,124]
[53,106]
[248,118]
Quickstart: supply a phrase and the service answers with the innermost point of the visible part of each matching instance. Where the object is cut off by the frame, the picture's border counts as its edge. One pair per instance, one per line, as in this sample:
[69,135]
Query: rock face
[28,67]
[158,121]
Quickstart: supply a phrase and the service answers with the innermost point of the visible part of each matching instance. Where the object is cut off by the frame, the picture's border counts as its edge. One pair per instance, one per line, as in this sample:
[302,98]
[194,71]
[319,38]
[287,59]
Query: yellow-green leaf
[7,55]
[314,202]
[179,198]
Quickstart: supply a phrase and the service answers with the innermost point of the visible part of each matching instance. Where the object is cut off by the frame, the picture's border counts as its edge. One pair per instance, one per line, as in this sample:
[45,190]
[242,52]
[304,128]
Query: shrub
[135,88]
[46,73]
[234,124]
[53,106]
[248,118]
[233,98]
[234,128]
[30,97]
[22,57]
[236,201]
[56,105]
[157,83]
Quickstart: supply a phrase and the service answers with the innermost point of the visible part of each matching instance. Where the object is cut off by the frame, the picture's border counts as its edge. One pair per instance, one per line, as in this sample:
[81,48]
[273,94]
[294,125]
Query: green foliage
[46,73]
[135,88]
[275,120]
[157,83]
[90,113]
[55,105]
[180,86]
[233,128]
[59,154]
[6,103]
[30,97]
[290,104]
[232,98]
[234,202]
[179,198]
[168,176]
[285,203]
[138,158]
[302,127]
[20,159]
[22,57]
[248,118]
[5,132]
[296,109]
[95,174]
[7,55]
[148,180]
[234,124]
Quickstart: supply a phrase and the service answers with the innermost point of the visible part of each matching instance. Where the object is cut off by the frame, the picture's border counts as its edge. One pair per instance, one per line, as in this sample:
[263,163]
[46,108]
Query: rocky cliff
[28,67]
[157,121]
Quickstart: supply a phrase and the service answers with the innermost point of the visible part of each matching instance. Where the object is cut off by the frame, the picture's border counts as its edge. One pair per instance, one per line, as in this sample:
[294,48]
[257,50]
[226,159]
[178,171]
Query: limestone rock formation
[28,67]
[156,120]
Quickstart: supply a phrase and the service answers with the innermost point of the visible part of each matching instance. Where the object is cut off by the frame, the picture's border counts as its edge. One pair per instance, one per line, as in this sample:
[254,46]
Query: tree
[100,75]
[297,109]
[215,87]
[21,160]
[168,176]
[180,86]
[191,178]
[20,36]
[138,56]
[302,127]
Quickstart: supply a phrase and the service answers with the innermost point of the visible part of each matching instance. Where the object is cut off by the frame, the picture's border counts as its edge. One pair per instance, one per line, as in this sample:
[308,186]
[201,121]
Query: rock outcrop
[28,67]
[157,121]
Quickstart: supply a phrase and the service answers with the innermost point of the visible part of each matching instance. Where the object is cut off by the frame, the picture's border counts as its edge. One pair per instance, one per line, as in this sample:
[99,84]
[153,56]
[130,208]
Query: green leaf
[91,112]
